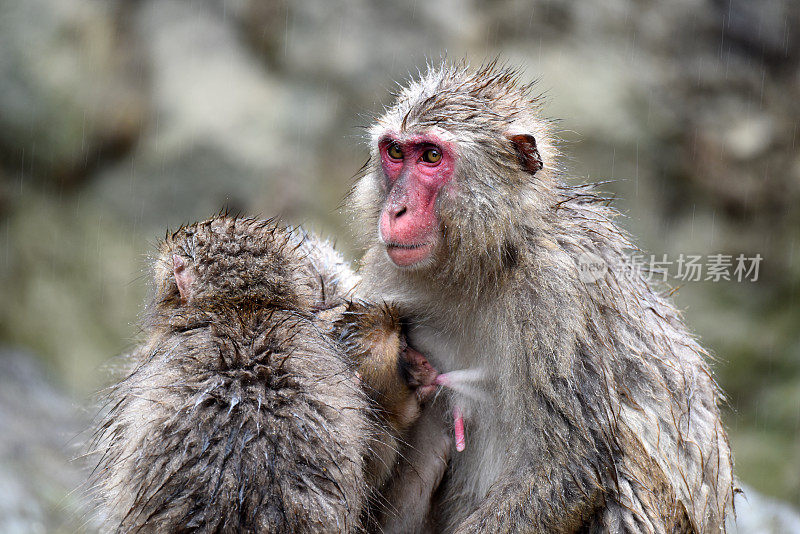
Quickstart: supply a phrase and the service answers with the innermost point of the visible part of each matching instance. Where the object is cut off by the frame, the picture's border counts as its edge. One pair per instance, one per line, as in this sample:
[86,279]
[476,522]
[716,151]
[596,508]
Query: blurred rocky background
[119,119]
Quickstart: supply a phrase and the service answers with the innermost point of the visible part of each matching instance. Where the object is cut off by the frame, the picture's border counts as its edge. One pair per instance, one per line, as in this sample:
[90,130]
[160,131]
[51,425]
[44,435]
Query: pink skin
[458,416]
[443,380]
[409,226]
[458,423]
[426,374]
[184,278]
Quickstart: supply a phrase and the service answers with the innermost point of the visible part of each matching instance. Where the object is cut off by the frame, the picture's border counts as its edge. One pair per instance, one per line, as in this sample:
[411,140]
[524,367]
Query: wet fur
[603,413]
[243,411]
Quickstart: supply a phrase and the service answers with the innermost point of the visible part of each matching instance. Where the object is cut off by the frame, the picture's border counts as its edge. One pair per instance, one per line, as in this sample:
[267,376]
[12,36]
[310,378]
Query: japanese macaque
[265,397]
[600,412]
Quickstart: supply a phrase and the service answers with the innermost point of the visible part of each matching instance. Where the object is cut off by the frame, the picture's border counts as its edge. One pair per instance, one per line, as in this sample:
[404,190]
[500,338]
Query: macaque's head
[458,159]
[395,376]
[243,262]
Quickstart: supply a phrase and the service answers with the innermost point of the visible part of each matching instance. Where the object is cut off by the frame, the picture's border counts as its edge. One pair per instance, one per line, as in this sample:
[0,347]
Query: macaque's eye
[432,155]
[394,151]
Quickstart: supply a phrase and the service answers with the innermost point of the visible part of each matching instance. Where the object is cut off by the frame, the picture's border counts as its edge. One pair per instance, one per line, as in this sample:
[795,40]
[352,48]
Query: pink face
[415,168]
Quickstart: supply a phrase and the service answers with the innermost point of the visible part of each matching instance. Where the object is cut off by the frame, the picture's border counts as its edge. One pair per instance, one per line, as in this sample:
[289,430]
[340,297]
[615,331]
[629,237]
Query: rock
[40,482]
[69,87]
[71,282]
[359,44]
[225,132]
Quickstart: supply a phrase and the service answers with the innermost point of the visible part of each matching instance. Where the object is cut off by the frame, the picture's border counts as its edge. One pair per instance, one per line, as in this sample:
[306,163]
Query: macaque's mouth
[404,255]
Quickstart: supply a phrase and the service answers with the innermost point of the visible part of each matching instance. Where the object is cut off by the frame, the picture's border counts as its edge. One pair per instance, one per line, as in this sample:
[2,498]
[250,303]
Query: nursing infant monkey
[265,398]
[600,413]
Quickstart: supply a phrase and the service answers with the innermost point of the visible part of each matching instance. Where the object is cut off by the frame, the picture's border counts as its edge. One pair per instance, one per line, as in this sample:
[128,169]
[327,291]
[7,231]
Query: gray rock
[40,483]
[68,86]
[224,131]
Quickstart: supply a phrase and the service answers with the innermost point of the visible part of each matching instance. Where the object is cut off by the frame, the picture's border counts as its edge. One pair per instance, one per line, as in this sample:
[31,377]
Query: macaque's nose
[397,219]
[407,222]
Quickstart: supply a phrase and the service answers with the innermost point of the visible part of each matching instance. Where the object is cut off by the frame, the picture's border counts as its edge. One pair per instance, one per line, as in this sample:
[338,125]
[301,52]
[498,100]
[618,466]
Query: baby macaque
[265,397]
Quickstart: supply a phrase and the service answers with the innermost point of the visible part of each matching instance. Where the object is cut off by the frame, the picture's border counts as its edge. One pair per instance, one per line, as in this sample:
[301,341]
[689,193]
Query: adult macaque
[600,412]
[265,398]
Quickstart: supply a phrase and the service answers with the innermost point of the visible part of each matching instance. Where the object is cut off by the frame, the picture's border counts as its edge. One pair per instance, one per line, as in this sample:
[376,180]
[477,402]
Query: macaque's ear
[184,277]
[527,153]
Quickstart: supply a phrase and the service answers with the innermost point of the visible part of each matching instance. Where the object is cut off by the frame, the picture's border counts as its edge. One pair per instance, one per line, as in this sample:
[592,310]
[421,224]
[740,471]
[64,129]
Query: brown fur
[373,337]
[601,413]
[245,411]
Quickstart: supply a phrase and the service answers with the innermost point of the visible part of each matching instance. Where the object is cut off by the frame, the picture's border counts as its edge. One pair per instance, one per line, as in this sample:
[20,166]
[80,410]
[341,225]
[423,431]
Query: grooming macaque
[599,410]
[265,397]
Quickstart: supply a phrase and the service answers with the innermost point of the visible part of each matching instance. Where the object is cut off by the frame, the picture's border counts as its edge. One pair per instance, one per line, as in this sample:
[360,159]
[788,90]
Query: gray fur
[243,411]
[603,413]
